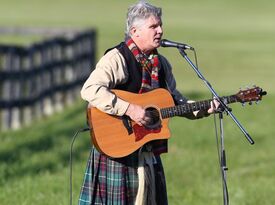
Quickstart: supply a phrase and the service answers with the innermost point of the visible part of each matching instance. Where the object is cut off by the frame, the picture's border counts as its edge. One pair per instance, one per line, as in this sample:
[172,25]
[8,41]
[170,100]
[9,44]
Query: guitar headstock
[249,95]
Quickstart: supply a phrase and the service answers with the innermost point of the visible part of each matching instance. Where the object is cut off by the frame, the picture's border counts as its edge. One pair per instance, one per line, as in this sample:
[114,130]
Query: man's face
[148,35]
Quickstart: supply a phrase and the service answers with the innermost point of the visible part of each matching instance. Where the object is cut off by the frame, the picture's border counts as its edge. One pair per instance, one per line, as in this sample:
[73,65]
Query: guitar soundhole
[153,114]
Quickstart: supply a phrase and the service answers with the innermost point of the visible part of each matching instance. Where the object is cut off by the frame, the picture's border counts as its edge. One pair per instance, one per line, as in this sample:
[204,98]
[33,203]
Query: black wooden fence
[43,78]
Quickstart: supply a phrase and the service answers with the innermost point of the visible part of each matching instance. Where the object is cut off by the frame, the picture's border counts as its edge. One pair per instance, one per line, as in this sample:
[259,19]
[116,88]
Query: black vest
[133,83]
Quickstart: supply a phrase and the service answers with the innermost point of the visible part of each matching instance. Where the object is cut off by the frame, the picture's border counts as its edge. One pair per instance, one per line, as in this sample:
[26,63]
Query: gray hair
[139,12]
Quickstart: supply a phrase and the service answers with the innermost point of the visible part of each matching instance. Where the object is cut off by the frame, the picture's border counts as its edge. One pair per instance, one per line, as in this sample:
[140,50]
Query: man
[135,66]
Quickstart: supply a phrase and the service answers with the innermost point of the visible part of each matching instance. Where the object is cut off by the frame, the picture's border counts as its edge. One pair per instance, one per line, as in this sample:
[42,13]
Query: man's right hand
[137,114]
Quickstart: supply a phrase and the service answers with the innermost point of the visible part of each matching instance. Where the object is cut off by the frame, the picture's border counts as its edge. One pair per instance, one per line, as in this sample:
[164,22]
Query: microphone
[167,43]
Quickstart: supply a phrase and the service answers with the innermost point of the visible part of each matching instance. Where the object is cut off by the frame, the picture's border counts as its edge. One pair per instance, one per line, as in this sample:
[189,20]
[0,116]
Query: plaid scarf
[150,67]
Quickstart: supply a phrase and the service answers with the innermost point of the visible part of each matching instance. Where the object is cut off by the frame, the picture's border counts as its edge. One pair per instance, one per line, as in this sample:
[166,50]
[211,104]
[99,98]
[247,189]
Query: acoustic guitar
[118,136]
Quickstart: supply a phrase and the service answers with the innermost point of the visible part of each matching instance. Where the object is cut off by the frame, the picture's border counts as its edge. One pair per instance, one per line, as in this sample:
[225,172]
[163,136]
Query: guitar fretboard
[191,107]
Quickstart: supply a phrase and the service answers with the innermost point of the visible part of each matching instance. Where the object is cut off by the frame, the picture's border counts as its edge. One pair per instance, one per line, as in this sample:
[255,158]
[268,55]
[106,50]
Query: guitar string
[188,107]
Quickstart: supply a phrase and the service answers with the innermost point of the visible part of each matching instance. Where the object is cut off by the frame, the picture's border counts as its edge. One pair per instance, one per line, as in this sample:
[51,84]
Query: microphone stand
[224,108]
[223,105]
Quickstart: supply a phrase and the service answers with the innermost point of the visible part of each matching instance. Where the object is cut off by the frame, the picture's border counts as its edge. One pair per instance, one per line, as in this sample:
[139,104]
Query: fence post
[6,90]
[27,114]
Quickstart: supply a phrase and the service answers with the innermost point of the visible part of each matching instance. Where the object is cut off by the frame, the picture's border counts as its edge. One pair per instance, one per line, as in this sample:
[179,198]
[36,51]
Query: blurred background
[234,41]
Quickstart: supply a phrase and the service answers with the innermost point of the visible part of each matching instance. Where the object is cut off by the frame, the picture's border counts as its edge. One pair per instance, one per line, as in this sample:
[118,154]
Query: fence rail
[41,79]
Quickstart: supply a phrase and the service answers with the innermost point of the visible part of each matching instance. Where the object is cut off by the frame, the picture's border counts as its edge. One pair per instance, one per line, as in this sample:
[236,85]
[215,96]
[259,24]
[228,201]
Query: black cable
[221,159]
[196,61]
[71,161]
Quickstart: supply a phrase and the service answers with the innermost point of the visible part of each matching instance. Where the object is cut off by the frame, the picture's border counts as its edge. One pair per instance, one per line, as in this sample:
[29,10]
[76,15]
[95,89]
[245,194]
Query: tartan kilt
[110,181]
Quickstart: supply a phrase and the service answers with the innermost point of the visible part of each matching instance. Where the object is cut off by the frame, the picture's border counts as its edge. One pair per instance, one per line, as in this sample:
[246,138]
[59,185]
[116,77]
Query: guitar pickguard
[141,131]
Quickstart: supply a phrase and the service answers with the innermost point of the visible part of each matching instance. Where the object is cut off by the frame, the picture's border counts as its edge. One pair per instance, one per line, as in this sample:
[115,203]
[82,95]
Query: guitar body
[111,137]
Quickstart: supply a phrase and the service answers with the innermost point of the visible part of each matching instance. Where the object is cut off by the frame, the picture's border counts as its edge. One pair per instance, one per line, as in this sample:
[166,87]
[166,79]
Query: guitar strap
[127,124]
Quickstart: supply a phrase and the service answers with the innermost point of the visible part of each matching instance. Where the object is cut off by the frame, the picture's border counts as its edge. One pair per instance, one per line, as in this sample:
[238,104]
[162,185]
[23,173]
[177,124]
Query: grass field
[235,45]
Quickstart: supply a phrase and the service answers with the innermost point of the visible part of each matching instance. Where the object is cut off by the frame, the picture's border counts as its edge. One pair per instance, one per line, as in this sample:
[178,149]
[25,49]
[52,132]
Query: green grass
[35,160]
[234,41]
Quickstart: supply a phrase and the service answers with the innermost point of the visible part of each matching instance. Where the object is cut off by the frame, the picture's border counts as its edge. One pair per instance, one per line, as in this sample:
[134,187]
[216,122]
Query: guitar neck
[180,110]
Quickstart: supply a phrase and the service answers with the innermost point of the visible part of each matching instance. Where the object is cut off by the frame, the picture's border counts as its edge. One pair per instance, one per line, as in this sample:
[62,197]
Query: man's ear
[134,32]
